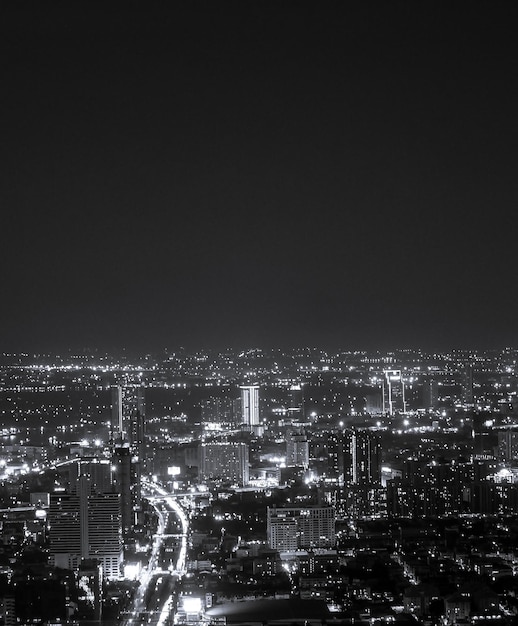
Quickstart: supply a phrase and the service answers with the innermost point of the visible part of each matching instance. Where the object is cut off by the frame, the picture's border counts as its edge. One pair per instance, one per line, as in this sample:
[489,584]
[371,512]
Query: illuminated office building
[85,525]
[365,457]
[224,462]
[358,462]
[290,529]
[250,405]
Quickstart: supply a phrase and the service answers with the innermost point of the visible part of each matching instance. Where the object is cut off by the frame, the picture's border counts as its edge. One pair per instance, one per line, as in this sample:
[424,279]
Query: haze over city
[230,174]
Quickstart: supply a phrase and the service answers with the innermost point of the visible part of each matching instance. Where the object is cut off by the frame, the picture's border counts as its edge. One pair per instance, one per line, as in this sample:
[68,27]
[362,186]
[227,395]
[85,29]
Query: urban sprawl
[259,487]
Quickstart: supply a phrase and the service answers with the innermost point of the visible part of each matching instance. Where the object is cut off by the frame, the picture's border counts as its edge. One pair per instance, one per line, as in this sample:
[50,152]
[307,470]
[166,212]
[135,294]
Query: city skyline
[264,486]
[262,174]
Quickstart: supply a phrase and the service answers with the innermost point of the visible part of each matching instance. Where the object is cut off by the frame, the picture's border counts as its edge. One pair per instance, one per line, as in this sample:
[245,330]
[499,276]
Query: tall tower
[128,417]
[365,458]
[467,384]
[129,448]
[125,485]
[362,472]
[250,405]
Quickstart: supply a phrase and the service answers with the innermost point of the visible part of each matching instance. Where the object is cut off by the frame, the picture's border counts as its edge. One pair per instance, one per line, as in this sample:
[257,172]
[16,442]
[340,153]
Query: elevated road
[152,604]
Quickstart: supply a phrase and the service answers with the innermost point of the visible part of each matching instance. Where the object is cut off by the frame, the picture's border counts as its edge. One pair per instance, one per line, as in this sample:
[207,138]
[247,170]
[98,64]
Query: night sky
[215,174]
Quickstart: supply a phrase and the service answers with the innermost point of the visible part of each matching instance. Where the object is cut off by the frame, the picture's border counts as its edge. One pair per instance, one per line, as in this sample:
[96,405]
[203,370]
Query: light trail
[173,504]
[179,569]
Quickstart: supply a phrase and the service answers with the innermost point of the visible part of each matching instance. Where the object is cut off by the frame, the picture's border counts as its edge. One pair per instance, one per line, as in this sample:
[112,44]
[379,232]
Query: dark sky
[258,173]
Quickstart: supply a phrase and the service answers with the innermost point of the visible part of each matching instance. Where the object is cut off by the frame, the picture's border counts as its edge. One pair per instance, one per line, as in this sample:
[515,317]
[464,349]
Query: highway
[152,604]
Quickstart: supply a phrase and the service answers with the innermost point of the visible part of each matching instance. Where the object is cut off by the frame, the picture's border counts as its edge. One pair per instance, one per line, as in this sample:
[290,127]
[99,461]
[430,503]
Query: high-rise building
[65,531]
[282,532]
[356,456]
[365,457]
[226,462]
[129,448]
[297,448]
[125,484]
[430,394]
[466,374]
[84,525]
[295,528]
[296,403]
[250,405]
[393,392]
[359,464]
[508,445]
[485,438]
[128,418]
[104,532]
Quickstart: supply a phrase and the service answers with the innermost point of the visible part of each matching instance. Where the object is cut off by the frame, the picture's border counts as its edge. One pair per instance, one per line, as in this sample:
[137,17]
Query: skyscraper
[129,448]
[250,405]
[125,484]
[361,463]
[84,525]
[466,372]
[365,451]
[128,417]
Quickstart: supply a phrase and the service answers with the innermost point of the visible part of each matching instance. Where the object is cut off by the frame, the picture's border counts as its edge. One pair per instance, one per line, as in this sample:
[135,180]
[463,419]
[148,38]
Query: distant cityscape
[259,487]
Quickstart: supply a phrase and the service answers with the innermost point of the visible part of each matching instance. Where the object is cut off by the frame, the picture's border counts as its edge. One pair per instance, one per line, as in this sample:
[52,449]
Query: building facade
[296,528]
[86,525]
[250,405]
[224,462]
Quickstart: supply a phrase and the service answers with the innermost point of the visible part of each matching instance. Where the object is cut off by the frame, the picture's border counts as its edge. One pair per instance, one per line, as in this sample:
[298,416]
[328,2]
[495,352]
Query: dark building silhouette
[356,455]
[129,449]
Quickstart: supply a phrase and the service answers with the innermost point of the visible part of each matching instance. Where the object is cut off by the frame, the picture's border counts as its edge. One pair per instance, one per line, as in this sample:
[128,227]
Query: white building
[393,392]
[250,405]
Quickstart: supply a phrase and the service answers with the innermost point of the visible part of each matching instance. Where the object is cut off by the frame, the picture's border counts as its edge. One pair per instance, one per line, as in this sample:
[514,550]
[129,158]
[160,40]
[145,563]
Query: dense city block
[259,486]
